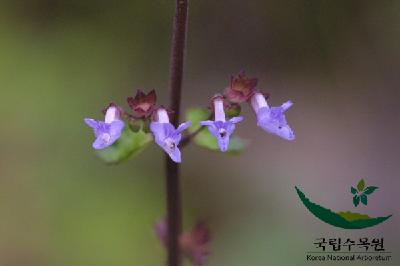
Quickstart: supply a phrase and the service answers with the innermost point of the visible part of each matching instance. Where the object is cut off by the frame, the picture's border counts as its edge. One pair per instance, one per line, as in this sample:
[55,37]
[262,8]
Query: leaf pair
[360,193]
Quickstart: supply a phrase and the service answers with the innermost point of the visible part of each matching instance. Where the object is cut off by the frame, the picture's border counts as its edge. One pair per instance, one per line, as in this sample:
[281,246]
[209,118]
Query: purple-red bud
[241,88]
[193,244]
[143,104]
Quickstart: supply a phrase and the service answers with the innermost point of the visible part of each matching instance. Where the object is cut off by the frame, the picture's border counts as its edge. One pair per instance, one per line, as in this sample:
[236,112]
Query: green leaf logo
[361,185]
[361,193]
[369,190]
[356,200]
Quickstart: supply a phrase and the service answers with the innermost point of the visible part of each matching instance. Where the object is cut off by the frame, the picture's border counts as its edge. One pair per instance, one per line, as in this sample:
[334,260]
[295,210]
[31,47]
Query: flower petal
[175,155]
[223,143]
[100,144]
[206,123]
[91,122]
[115,130]
[183,126]
[158,130]
[236,119]
[273,120]
[285,106]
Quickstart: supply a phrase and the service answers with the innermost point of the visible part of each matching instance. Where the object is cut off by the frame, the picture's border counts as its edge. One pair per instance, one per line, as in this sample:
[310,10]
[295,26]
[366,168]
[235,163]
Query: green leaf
[233,110]
[356,200]
[364,199]
[361,185]
[136,125]
[353,190]
[129,144]
[370,190]
[351,216]
[196,115]
[204,139]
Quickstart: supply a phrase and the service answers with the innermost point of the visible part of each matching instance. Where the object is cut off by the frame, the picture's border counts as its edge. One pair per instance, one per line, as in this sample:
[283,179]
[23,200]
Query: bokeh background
[62,61]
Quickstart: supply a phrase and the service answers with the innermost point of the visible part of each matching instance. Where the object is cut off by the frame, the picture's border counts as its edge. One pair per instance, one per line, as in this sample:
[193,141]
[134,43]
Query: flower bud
[241,88]
[143,104]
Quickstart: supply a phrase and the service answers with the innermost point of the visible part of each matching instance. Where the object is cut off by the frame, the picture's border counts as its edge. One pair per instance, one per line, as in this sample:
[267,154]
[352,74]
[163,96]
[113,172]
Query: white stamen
[112,114]
[257,101]
[105,137]
[162,116]
[170,143]
[219,113]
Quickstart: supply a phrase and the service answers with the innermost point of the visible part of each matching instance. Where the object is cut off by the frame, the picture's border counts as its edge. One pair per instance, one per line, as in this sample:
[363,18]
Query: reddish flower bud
[241,88]
[161,230]
[143,104]
[194,244]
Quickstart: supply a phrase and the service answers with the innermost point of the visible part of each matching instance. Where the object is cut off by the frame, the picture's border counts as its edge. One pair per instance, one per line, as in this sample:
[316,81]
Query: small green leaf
[351,216]
[353,190]
[204,139]
[136,125]
[233,110]
[361,185]
[196,115]
[356,200]
[130,143]
[370,190]
[364,199]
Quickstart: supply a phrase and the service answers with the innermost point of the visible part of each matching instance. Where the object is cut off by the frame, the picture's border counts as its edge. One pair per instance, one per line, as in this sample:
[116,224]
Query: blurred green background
[62,61]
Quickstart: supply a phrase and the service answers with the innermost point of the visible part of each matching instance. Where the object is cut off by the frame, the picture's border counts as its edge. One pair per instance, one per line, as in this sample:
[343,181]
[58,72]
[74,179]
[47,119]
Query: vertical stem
[174,216]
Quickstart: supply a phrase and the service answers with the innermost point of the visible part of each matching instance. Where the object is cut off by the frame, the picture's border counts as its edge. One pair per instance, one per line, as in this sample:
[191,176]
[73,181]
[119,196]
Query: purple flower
[106,132]
[166,136]
[220,128]
[272,120]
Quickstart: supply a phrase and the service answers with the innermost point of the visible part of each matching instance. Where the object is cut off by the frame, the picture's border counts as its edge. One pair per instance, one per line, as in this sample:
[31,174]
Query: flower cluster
[144,109]
[242,89]
[270,119]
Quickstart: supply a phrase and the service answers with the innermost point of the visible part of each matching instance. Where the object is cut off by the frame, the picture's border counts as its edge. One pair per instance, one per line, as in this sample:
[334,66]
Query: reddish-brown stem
[174,213]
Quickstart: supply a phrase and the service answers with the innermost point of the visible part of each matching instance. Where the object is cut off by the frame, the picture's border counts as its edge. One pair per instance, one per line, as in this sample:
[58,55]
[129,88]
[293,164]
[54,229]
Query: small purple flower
[272,120]
[106,132]
[220,128]
[166,136]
